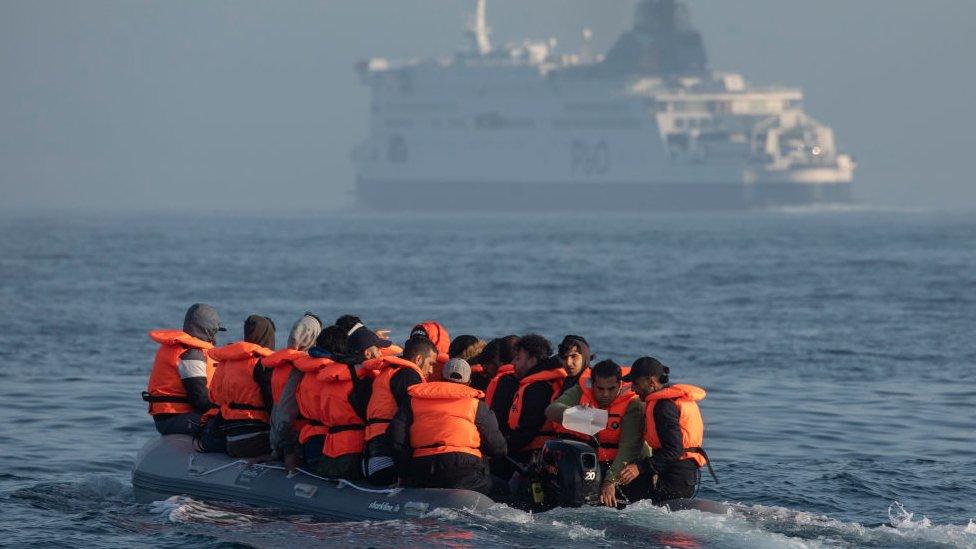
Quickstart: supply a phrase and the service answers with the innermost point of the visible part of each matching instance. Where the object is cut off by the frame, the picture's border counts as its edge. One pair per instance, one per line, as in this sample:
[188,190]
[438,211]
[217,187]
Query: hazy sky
[254,104]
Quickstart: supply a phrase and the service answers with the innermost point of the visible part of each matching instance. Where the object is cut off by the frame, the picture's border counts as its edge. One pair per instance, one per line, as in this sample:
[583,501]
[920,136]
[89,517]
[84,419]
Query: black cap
[646,366]
[364,338]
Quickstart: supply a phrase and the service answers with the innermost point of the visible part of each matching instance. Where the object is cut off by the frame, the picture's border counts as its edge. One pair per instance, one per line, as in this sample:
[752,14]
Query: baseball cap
[646,366]
[457,370]
[364,338]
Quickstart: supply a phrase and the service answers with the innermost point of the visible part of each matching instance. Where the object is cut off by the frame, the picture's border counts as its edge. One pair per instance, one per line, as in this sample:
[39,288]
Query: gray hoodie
[303,335]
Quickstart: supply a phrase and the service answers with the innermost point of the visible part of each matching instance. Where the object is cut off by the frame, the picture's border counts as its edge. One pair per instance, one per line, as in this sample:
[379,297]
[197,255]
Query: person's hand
[608,494]
[291,462]
[383,334]
[628,474]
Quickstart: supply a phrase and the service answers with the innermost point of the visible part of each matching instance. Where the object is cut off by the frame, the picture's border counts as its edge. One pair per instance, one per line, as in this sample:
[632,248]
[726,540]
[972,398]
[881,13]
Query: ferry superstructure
[647,126]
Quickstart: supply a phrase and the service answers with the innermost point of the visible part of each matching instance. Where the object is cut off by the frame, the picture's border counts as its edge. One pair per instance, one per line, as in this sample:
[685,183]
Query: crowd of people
[346,402]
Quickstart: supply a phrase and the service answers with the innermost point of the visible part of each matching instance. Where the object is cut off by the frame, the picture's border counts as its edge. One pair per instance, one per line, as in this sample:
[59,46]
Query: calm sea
[838,348]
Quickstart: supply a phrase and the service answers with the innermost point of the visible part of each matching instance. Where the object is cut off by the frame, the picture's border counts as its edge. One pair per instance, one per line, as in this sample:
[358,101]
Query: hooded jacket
[437,334]
[583,346]
[284,429]
[192,367]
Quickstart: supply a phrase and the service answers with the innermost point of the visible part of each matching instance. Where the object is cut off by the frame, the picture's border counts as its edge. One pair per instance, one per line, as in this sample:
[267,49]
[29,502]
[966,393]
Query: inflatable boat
[169,465]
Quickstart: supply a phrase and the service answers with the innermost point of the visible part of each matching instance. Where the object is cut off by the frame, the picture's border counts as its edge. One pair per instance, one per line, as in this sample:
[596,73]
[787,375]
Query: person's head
[260,330]
[457,370]
[465,346]
[304,332]
[421,352]
[334,340]
[364,343]
[349,323]
[647,375]
[202,322]
[437,334]
[605,382]
[497,352]
[530,350]
[574,352]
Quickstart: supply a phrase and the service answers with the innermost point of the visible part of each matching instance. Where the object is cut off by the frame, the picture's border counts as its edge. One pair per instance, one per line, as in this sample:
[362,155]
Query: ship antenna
[479,29]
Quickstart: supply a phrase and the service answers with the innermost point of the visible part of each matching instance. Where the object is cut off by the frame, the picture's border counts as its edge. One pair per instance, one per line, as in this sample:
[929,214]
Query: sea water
[838,349]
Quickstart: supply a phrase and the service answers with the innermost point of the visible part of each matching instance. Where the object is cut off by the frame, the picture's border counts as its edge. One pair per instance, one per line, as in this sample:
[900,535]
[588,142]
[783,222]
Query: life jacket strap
[352,427]
[239,406]
[375,420]
[708,462]
[159,398]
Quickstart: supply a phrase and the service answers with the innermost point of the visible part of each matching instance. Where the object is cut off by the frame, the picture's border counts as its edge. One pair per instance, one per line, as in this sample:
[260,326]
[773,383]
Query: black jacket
[535,400]
[501,402]
[668,429]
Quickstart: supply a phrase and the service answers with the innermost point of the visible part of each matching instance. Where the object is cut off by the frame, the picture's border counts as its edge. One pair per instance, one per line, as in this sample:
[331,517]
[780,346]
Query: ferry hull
[612,197]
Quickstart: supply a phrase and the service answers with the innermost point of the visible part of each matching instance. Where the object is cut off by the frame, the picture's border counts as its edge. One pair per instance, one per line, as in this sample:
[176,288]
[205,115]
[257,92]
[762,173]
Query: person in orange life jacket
[673,429]
[331,342]
[395,376]
[345,400]
[469,348]
[443,435]
[497,358]
[285,416]
[622,442]
[540,378]
[177,392]
[438,335]
[240,426]
[574,352]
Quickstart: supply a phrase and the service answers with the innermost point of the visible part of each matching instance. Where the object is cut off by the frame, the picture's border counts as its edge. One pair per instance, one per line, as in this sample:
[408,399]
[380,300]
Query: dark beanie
[260,330]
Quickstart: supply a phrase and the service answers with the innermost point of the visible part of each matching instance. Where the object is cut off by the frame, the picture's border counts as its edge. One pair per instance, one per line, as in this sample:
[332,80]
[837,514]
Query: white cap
[457,370]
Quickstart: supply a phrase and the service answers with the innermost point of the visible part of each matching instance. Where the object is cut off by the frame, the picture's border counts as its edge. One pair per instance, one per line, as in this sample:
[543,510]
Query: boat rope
[340,481]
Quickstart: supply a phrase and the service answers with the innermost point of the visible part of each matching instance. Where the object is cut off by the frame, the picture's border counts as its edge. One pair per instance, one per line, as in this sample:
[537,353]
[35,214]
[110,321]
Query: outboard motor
[570,474]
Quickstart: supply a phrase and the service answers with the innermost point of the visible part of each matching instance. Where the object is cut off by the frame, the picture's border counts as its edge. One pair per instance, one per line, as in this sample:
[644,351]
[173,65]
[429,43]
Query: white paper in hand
[588,421]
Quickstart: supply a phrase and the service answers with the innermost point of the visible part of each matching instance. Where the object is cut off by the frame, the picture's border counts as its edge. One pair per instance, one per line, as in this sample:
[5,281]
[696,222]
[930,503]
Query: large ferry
[646,126]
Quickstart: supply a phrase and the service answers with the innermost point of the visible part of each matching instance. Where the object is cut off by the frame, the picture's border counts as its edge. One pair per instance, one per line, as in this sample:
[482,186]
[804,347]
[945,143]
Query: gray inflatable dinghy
[169,465]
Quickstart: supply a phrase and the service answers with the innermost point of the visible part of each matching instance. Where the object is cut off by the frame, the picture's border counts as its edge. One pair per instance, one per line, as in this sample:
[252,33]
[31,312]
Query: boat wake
[639,525]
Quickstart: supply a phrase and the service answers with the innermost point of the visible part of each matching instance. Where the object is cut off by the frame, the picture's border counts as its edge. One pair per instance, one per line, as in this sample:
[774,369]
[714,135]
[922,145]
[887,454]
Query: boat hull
[613,197]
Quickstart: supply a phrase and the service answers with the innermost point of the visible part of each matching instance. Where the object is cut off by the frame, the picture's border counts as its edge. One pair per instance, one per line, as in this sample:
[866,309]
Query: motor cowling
[570,473]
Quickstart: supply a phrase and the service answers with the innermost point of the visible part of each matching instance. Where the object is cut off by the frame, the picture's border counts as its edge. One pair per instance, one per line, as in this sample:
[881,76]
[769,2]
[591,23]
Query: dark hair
[418,345]
[460,344]
[333,339]
[346,322]
[506,349]
[571,342]
[535,346]
[605,369]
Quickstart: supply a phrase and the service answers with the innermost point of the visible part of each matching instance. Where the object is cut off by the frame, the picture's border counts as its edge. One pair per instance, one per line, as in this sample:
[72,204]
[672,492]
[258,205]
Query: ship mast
[479,29]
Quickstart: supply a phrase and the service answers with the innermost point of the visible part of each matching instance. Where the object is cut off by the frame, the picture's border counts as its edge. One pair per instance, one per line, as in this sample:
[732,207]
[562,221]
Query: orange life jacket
[443,419]
[233,387]
[438,335]
[282,364]
[555,380]
[382,406]
[165,392]
[504,370]
[586,378]
[689,419]
[345,428]
[608,438]
[308,396]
